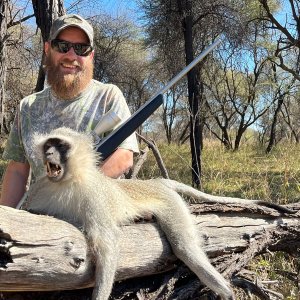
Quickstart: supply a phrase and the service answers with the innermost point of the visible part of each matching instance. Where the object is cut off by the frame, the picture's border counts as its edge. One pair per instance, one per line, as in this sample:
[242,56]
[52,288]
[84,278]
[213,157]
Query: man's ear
[47,47]
[92,54]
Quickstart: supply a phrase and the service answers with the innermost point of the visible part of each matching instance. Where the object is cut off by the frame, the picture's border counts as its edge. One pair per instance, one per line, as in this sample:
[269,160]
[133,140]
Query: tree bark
[272,140]
[3,58]
[41,253]
[185,10]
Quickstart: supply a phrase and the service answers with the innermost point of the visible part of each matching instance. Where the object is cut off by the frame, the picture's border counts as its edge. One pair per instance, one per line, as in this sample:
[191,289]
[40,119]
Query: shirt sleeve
[14,149]
[118,104]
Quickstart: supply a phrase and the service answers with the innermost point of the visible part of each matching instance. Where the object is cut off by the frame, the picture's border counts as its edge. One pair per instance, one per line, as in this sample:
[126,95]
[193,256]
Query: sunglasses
[62,46]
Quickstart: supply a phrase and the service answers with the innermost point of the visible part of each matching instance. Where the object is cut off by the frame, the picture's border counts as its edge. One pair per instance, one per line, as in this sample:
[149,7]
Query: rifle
[109,144]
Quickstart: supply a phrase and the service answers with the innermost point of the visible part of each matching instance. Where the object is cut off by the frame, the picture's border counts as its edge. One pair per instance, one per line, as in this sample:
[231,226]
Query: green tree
[286,33]
[121,58]
[180,29]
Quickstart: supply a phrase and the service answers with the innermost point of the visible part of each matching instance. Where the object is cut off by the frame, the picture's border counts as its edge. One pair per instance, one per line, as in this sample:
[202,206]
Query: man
[73,99]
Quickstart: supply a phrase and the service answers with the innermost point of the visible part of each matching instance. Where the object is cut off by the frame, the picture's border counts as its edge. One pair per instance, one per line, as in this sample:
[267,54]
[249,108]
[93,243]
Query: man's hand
[14,183]
[118,163]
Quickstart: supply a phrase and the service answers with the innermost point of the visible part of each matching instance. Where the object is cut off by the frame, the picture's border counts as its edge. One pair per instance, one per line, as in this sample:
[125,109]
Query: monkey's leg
[105,247]
[181,232]
[200,197]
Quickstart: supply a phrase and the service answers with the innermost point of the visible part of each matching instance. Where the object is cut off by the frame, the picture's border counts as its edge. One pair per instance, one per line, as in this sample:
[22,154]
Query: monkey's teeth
[52,170]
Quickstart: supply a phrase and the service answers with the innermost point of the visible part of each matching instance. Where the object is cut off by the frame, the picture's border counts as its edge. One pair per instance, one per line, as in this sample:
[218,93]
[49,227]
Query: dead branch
[156,153]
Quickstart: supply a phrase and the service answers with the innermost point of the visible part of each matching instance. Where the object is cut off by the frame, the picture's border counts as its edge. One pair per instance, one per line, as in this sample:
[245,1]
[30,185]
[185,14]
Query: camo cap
[73,20]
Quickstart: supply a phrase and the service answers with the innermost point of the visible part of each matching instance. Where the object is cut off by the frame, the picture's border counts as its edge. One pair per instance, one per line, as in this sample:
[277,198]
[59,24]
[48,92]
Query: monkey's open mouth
[53,170]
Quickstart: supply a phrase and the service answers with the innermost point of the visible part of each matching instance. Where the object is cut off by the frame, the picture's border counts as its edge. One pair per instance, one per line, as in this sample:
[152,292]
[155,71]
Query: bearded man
[72,99]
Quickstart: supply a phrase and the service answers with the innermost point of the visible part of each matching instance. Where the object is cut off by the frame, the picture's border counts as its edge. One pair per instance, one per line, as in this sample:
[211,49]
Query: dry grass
[248,173]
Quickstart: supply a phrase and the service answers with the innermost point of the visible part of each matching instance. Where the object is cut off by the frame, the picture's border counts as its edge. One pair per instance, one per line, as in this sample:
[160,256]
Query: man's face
[68,73]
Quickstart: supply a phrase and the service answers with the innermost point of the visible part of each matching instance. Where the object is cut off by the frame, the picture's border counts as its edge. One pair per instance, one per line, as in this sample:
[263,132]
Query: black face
[55,153]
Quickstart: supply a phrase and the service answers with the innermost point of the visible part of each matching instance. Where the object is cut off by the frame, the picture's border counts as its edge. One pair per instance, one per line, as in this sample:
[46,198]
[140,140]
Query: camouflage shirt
[41,112]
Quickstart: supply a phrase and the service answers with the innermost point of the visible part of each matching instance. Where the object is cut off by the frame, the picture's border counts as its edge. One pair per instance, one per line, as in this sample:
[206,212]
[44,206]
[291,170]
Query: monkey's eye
[47,146]
[61,145]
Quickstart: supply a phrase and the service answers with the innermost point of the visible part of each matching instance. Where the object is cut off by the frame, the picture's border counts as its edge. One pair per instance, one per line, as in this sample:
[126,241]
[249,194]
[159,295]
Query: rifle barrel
[190,66]
[108,145]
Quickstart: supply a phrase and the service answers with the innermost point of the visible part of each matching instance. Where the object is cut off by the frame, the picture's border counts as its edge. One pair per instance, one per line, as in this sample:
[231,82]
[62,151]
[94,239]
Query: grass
[248,173]
[269,267]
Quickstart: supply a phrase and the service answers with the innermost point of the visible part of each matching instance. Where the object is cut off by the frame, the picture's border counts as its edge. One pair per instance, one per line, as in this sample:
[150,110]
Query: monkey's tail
[201,197]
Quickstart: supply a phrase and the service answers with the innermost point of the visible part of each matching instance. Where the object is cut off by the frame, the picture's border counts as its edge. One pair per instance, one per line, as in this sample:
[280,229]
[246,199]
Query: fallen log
[41,253]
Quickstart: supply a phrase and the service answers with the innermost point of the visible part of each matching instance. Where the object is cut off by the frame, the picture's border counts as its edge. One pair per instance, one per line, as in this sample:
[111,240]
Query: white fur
[101,204]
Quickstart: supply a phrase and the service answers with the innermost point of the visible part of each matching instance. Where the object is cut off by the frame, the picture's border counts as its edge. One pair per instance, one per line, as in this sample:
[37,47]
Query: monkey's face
[55,156]
[66,154]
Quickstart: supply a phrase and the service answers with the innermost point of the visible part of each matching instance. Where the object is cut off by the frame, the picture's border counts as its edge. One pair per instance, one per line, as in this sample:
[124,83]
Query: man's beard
[68,86]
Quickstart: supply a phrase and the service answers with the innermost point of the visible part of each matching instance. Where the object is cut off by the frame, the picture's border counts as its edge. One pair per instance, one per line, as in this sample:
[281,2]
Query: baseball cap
[72,20]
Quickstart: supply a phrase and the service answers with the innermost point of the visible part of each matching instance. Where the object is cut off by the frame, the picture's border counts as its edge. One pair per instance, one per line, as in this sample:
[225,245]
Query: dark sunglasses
[62,46]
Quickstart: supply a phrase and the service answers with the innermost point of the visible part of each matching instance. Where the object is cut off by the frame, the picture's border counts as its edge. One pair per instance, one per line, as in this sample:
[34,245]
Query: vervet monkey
[74,189]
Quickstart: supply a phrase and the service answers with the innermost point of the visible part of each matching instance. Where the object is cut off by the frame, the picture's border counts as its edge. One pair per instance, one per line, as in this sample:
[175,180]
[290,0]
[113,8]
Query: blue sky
[119,6]
[87,8]
[114,8]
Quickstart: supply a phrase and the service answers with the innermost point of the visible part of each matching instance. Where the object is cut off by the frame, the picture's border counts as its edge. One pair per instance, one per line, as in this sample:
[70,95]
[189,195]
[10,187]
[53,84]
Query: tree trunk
[226,138]
[185,9]
[41,253]
[272,140]
[238,137]
[3,58]
[46,11]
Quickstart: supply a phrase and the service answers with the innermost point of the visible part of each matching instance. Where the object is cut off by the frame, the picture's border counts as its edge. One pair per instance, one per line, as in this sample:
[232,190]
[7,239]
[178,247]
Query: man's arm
[118,163]
[14,183]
